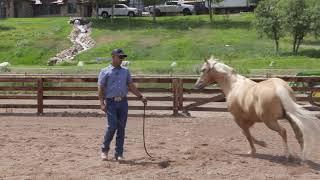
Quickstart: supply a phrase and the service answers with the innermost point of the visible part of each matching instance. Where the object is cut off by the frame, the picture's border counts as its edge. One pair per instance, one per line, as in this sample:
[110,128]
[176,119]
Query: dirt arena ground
[184,148]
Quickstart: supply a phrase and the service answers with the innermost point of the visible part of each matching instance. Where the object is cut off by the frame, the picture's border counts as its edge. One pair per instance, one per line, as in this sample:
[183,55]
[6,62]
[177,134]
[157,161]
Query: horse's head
[212,70]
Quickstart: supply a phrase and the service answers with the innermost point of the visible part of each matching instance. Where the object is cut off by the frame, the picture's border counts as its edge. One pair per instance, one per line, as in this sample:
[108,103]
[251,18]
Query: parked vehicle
[119,10]
[232,6]
[171,7]
[199,7]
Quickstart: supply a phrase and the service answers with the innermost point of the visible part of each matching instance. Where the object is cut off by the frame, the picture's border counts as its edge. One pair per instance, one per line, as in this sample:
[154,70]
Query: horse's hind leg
[274,125]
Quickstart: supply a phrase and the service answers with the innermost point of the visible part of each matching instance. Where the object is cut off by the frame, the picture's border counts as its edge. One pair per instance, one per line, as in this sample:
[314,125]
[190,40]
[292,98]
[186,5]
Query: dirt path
[188,148]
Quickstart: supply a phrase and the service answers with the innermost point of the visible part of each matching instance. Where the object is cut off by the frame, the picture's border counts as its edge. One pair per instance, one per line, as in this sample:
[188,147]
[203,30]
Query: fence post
[175,96]
[180,94]
[40,96]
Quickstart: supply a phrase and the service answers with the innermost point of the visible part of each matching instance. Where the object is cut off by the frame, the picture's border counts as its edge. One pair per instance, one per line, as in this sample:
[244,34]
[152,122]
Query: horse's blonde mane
[220,66]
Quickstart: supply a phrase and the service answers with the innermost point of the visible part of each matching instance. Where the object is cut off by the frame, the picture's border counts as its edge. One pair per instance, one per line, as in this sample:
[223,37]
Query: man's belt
[118,98]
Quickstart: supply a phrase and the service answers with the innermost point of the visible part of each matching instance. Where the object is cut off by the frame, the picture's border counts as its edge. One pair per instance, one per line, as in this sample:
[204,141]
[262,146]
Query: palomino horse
[268,101]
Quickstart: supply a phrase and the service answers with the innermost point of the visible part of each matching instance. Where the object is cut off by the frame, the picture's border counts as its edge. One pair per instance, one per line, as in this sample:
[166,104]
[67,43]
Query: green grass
[153,47]
[32,41]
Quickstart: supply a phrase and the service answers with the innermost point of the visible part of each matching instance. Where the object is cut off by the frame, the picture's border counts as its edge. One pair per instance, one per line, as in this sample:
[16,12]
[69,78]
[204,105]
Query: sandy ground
[184,148]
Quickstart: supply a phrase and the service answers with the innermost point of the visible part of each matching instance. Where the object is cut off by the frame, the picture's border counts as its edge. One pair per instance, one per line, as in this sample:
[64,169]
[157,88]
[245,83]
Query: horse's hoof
[288,158]
[302,162]
[252,152]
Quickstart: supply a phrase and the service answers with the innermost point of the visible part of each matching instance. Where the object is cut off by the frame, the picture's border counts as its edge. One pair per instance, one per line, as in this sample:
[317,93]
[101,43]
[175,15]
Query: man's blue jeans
[117,114]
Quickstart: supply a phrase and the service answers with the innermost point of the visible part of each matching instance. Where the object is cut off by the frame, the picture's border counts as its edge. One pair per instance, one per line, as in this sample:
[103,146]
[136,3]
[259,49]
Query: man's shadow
[145,162]
[292,161]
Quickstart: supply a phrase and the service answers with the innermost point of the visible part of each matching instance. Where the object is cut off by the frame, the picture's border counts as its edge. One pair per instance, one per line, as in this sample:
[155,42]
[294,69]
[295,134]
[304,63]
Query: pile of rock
[4,67]
[81,39]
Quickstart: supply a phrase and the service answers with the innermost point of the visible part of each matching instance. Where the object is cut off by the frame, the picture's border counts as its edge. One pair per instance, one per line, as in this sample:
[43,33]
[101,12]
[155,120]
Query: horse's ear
[205,59]
[233,71]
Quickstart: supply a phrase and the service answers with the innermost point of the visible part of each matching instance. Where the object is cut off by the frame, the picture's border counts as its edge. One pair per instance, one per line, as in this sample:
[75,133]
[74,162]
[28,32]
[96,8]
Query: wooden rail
[173,90]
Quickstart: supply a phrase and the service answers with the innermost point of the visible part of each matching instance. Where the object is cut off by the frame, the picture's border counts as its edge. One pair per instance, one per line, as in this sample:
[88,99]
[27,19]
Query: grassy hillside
[32,41]
[153,47]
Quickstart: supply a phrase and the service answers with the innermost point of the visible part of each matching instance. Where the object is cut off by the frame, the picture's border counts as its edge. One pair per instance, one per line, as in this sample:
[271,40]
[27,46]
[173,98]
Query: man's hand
[144,100]
[102,98]
[103,107]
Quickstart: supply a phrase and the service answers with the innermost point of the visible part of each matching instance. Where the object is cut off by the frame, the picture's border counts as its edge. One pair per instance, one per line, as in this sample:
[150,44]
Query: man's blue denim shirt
[115,81]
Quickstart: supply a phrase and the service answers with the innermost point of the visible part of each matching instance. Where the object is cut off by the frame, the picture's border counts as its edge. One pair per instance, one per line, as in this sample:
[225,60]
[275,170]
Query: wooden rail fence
[175,90]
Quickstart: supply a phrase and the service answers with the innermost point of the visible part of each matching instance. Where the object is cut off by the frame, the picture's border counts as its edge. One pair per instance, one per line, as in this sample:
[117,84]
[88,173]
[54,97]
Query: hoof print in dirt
[164,164]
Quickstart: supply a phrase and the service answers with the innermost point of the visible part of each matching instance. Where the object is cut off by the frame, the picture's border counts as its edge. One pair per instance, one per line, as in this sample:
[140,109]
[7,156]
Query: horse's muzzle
[199,85]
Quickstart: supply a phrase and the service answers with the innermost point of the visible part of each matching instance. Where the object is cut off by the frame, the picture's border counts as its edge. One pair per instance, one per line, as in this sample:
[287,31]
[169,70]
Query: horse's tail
[305,125]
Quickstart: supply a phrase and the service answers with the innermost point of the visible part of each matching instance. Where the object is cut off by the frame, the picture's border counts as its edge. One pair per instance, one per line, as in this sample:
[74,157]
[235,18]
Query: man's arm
[101,98]
[136,92]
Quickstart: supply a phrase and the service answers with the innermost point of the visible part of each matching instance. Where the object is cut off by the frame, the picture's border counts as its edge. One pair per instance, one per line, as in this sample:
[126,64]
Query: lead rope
[144,138]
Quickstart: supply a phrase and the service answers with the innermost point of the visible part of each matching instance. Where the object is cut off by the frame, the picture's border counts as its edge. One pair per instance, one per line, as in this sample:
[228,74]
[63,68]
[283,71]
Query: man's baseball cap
[118,52]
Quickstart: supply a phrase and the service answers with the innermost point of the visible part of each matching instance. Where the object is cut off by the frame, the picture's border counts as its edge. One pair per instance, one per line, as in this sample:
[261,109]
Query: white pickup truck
[119,10]
[233,5]
[171,7]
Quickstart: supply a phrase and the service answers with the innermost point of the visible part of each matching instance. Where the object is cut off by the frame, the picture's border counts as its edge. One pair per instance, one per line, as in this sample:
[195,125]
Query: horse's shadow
[292,161]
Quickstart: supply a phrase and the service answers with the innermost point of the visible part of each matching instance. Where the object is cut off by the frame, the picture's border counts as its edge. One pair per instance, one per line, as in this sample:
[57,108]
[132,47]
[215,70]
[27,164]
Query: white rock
[80,64]
[271,64]
[173,64]
[5,64]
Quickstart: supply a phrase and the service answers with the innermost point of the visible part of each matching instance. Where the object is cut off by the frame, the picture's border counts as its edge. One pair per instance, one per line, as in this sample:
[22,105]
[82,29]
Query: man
[113,84]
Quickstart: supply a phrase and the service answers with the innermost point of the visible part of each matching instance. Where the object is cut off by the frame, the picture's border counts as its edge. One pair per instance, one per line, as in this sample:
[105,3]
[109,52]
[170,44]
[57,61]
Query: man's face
[117,60]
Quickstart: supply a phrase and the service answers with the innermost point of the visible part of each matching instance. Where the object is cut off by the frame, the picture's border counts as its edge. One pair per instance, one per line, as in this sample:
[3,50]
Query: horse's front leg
[246,132]
[245,125]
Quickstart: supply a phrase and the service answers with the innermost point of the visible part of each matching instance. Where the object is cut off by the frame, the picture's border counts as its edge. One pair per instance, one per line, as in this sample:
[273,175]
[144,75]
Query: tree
[108,2]
[94,5]
[269,20]
[153,3]
[298,18]
[210,2]
[9,4]
[315,13]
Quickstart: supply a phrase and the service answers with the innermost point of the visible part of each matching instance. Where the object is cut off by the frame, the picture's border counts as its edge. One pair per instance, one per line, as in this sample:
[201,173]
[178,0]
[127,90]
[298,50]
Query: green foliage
[28,44]
[210,3]
[315,13]
[32,41]
[268,20]
[295,17]
[298,18]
